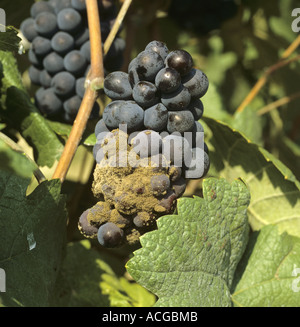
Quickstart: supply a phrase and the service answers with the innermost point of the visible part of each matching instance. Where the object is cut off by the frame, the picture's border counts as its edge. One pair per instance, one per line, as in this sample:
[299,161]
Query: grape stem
[278,103]
[90,96]
[117,24]
[264,78]
[94,82]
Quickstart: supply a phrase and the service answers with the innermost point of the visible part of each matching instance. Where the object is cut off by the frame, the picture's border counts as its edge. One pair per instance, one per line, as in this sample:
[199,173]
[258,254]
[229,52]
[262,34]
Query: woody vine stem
[94,82]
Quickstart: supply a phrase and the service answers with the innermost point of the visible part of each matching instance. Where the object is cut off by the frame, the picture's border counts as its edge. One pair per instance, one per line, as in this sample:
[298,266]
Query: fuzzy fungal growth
[149,144]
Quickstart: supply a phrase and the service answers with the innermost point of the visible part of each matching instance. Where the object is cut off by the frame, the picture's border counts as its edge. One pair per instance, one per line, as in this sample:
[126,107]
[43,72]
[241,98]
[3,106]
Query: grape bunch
[60,53]
[149,143]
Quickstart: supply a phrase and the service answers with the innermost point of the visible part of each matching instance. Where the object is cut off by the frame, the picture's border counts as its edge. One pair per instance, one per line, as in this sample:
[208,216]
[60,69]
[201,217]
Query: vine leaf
[17,108]
[270,271]
[275,195]
[9,41]
[32,239]
[86,279]
[191,258]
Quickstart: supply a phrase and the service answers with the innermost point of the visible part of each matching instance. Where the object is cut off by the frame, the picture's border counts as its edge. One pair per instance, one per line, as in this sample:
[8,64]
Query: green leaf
[87,280]
[191,258]
[32,239]
[275,195]
[15,162]
[270,269]
[21,114]
[64,130]
[9,40]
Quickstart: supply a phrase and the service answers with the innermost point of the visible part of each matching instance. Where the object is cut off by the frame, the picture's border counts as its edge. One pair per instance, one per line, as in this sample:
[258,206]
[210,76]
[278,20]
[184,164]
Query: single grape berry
[75,63]
[62,43]
[180,60]
[28,29]
[117,86]
[63,84]
[85,227]
[45,24]
[196,108]
[180,121]
[69,20]
[148,64]
[145,94]
[158,47]
[196,82]
[41,46]
[53,63]
[110,235]
[177,100]
[167,80]
[156,117]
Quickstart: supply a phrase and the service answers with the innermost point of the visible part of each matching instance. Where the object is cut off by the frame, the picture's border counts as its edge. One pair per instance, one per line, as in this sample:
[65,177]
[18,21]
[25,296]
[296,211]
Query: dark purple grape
[85,227]
[117,86]
[41,46]
[156,117]
[180,121]
[62,43]
[180,60]
[41,6]
[148,64]
[28,29]
[123,112]
[196,82]
[167,80]
[158,47]
[177,100]
[69,20]
[145,94]
[110,235]
[53,63]
[45,24]
[196,108]
[63,84]
[75,63]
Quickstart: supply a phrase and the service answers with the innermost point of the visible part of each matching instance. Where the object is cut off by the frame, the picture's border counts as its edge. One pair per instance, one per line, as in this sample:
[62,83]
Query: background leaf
[87,280]
[31,243]
[190,260]
[267,267]
[9,41]
[275,195]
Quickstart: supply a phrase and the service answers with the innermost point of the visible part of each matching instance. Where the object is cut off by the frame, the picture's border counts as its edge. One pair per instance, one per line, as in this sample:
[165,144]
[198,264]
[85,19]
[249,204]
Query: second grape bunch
[144,158]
